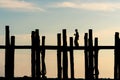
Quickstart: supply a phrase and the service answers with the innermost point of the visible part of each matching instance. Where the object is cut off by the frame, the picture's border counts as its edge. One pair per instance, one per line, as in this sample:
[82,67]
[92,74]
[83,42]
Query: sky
[50,17]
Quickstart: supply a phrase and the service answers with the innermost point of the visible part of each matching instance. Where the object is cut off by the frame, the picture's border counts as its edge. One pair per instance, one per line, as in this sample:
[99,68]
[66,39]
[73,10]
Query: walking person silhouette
[76,38]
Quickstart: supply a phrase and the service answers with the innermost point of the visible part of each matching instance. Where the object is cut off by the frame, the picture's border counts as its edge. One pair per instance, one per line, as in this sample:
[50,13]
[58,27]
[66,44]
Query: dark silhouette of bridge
[39,72]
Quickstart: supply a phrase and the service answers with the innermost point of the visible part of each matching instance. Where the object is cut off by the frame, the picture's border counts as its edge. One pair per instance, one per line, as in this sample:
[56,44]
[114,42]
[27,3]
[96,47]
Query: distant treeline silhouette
[39,71]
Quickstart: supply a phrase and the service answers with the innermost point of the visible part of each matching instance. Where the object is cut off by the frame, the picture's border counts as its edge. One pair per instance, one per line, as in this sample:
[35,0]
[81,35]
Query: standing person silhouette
[76,38]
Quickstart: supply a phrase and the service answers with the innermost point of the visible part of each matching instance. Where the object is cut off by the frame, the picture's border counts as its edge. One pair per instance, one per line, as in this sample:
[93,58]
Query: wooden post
[96,59]
[65,57]
[33,70]
[71,58]
[43,58]
[12,56]
[91,75]
[7,51]
[86,55]
[37,41]
[116,57]
[59,56]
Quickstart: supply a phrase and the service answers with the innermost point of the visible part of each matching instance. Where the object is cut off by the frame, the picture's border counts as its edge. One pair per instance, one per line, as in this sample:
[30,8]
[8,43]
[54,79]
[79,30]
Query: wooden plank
[54,47]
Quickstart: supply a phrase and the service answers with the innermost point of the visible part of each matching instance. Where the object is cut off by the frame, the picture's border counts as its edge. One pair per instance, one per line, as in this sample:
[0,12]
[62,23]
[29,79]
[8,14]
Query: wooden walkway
[38,48]
[51,47]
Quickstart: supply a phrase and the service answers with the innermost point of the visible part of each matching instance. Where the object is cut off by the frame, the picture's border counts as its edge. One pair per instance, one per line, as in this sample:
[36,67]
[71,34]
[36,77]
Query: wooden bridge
[39,72]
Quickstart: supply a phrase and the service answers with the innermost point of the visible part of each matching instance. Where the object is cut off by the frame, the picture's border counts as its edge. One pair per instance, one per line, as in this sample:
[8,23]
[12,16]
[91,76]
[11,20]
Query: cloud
[19,5]
[94,6]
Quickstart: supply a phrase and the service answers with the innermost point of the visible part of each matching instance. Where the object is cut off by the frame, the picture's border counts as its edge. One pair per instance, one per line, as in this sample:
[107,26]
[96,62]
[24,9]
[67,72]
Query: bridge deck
[49,47]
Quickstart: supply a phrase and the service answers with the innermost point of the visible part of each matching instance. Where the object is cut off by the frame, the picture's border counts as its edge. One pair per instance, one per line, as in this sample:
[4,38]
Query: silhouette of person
[76,38]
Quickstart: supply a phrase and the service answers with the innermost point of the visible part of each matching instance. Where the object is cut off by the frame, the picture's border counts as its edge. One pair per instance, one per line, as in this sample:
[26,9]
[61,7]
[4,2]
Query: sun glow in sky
[50,17]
